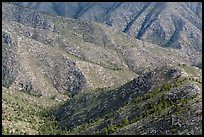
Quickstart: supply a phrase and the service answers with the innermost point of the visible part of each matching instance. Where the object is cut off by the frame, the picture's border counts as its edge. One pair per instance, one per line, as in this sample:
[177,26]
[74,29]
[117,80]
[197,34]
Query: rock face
[174,73]
[67,77]
[10,65]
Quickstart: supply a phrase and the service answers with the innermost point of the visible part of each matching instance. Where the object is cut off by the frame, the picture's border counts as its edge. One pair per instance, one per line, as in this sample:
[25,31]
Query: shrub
[112,128]
[176,85]
[159,107]
[125,122]
[183,100]
[138,99]
[166,87]
[196,80]
[147,96]
[105,131]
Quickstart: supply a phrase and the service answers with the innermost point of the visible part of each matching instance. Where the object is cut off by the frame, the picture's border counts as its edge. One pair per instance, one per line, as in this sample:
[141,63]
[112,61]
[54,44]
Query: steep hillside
[166,100]
[146,105]
[69,76]
[38,47]
[39,59]
[24,114]
[168,24]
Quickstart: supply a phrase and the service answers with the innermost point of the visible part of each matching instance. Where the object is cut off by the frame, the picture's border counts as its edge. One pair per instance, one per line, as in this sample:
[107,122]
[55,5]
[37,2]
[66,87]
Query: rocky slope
[168,24]
[44,58]
[38,47]
[166,100]
[69,76]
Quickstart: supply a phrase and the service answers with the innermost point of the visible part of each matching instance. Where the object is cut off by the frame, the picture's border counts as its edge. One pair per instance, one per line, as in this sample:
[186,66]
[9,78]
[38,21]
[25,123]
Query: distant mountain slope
[168,24]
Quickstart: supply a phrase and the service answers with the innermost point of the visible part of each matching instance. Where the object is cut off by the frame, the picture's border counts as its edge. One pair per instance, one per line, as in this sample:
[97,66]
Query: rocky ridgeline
[172,96]
[168,24]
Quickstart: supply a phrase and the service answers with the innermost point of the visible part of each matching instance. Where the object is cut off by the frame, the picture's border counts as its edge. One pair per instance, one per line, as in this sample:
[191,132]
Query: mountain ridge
[69,76]
[132,12]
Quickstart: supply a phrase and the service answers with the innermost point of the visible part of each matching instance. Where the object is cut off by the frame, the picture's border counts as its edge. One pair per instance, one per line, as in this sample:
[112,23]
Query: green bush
[138,99]
[166,87]
[112,128]
[105,131]
[147,96]
[183,100]
[196,80]
[159,107]
[125,122]
[144,114]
